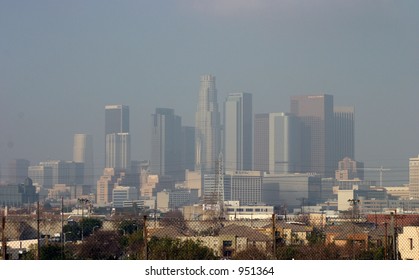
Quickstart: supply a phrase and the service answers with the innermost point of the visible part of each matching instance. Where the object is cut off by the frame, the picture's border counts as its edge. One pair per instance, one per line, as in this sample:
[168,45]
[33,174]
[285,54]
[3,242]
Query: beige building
[193,181]
[105,186]
[398,192]
[148,183]
[408,243]
[414,178]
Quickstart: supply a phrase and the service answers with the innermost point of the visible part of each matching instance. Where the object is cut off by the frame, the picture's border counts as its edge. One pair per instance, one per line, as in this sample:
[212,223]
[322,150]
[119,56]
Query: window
[411,243]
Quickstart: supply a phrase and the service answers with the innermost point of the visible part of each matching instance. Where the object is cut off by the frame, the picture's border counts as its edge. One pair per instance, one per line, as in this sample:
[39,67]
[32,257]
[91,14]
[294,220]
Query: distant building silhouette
[344,133]
[165,159]
[83,153]
[237,128]
[316,114]
[18,171]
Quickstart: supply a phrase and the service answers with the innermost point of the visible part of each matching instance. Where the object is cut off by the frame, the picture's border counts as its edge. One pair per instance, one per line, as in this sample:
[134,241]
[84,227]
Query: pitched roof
[244,231]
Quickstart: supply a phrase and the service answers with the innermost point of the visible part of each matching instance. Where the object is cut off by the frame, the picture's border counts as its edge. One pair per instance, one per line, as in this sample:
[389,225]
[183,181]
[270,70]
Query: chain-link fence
[172,237]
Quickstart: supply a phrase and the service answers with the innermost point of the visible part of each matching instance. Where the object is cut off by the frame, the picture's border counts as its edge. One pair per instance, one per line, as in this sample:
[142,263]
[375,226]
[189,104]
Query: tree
[175,249]
[134,246]
[102,245]
[251,253]
[79,230]
[130,226]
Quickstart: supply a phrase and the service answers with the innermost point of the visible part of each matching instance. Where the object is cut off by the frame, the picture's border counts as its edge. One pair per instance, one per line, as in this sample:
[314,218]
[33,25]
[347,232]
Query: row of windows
[248,209]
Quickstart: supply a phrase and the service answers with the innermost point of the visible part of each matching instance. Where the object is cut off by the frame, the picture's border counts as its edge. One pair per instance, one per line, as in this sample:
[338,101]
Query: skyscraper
[166,143]
[207,126]
[118,151]
[261,143]
[83,153]
[117,137]
[284,143]
[344,128]
[188,148]
[18,171]
[238,131]
[277,146]
[116,119]
[316,114]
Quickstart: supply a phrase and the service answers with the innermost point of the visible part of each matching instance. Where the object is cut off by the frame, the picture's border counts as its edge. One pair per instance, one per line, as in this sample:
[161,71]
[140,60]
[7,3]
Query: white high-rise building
[277,141]
[238,132]
[284,143]
[117,137]
[118,146]
[83,153]
[207,126]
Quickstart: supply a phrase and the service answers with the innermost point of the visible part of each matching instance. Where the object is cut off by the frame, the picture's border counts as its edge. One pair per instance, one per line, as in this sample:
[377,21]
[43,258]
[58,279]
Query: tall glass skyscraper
[316,114]
[277,139]
[328,132]
[166,143]
[117,137]
[344,127]
[116,119]
[207,127]
[238,132]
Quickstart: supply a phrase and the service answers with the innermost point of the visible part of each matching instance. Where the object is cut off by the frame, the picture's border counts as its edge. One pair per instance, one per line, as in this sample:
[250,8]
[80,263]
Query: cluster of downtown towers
[312,138]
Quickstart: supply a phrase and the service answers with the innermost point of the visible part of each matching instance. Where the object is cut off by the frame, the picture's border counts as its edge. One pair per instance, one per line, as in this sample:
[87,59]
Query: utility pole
[354,203]
[145,238]
[274,236]
[38,253]
[62,228]
[3,237]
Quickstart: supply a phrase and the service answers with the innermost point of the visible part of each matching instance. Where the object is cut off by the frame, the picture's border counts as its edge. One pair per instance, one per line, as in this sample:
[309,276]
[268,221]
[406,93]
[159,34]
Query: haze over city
[62,62]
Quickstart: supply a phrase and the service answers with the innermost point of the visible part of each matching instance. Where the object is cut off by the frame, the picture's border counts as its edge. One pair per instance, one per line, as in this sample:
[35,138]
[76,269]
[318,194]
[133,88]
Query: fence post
[3,238]
[38,250]
[145,238]
[274,236]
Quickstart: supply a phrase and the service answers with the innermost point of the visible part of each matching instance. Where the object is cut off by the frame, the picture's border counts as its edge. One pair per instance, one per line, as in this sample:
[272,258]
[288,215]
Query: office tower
[238,131]
[15,195]
[243,186]
[83,153]
[166,143]
[123,194]
[414,178]
[277,143]
[344,133]
[104,187]
[207,126]
[316,114]
[18,171]
[261,143]
[118,151]
[41,176]
[284,143]
[117,137]
[188,148]
[291,190]
[349,169]
[116,119]
[65,172]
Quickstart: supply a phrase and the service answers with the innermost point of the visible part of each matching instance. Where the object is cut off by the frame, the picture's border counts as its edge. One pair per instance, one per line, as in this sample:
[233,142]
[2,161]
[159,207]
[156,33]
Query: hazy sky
[61,62]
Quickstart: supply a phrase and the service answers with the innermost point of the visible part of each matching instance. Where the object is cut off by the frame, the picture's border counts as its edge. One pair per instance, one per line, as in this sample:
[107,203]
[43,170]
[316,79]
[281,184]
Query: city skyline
[56,78]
